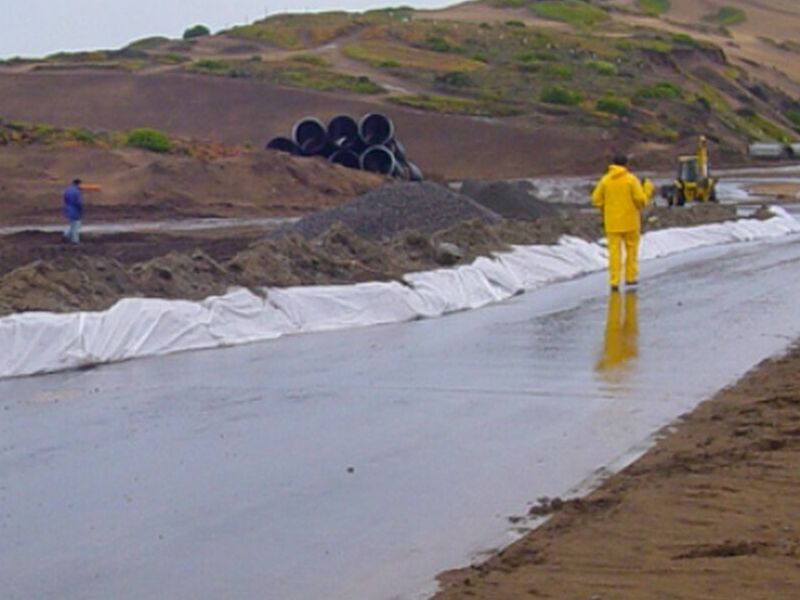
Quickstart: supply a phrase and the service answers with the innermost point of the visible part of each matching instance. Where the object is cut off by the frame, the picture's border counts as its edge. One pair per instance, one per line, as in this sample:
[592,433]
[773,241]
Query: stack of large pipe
[369,144]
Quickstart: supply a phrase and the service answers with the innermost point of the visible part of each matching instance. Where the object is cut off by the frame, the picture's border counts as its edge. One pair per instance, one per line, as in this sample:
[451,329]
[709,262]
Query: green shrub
[684,39]
[653,7]
[602,67]
[794,116]
[43,132]
[557,94]
[196,32]
[438,44]
[518,24]
[663,90]
[727,16]
[149,139]
[83,136]
[613,105]
[560,71]
[214,66]
[389,64]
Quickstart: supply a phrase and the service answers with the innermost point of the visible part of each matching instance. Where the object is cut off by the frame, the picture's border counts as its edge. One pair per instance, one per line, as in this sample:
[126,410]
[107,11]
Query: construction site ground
[710,512]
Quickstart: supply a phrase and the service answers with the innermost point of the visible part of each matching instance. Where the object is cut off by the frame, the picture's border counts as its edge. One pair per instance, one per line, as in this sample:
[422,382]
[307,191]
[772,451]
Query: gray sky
[39,27]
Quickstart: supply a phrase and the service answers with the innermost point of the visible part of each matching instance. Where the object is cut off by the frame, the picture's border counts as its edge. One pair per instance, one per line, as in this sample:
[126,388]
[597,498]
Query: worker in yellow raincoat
[621,197]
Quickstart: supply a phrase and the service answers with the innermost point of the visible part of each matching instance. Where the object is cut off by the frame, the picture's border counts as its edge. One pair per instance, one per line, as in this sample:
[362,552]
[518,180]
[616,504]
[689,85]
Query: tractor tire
[680,198]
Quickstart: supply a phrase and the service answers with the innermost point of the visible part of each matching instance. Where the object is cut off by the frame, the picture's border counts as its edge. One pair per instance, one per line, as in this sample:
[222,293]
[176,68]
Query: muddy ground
[710,512]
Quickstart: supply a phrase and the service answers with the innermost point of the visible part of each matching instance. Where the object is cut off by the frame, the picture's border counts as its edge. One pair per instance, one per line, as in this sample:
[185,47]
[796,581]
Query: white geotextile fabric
[37,342]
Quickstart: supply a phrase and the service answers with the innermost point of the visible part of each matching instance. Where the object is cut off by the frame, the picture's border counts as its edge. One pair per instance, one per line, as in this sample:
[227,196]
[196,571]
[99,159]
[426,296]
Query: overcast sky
[39,27]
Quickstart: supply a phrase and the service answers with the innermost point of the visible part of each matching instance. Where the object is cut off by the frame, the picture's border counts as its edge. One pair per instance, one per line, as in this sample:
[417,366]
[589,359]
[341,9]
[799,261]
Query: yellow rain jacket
[620,196]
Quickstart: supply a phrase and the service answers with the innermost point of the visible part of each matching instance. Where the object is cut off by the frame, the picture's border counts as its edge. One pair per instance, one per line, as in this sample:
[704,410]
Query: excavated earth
[381,235]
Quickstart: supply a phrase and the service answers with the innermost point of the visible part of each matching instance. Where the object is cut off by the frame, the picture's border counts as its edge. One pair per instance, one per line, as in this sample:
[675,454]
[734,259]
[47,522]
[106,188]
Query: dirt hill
[483,89]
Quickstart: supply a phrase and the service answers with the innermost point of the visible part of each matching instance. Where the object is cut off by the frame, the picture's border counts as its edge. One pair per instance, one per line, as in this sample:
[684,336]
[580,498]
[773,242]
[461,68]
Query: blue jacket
[73,203]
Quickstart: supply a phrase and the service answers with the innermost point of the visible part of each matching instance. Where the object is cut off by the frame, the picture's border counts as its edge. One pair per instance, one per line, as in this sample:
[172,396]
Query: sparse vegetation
[377,53]
[654,7]
[663,90]
[726,16]
[196,31]
[658,131]
[149,139]
[442,104]
[557,94]
[298,32]
[310,59]
[560,71]
[149,43]
[455,79]
[213,66]
[602,67]
[613,105]
[794,116]
[574,12]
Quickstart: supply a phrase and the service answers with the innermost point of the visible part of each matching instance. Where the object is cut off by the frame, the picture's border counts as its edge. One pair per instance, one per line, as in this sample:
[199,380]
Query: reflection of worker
[73,208]
[621,197]
[621,341]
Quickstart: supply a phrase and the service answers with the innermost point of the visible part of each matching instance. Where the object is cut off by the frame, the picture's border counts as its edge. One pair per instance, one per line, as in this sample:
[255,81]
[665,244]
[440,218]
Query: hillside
[499,87]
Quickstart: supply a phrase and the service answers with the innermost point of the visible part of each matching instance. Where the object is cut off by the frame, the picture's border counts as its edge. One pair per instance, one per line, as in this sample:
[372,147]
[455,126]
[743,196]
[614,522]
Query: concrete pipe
[282,144]
[378,159]
[346,158]
[343,132]
[376,129]
[311,136]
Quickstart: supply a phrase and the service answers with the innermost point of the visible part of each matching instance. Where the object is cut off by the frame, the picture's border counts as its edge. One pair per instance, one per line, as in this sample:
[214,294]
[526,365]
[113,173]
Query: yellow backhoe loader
[694,182]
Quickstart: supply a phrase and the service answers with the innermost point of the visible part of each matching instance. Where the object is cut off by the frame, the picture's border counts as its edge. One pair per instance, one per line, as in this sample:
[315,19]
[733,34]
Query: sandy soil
[710,512]
[141,185]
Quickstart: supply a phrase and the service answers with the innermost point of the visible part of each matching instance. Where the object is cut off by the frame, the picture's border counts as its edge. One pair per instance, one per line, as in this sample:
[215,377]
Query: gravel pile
[383,213]
[509,199]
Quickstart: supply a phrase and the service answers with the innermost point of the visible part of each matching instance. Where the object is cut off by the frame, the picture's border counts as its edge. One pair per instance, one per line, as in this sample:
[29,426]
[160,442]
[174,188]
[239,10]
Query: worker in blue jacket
[73,211]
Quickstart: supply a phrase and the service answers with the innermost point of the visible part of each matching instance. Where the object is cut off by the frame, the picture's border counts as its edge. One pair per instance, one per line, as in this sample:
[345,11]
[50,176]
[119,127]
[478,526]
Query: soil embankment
[710,512]
[381,235]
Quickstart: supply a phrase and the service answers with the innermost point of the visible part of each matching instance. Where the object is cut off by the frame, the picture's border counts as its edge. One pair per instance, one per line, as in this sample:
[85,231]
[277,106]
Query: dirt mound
[509,199]
[659,217]
[149,186]
[386,211]
[37,272]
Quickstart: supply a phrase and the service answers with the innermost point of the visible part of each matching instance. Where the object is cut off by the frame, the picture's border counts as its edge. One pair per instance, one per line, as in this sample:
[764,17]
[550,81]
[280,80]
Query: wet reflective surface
[358,464]
[157,226]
